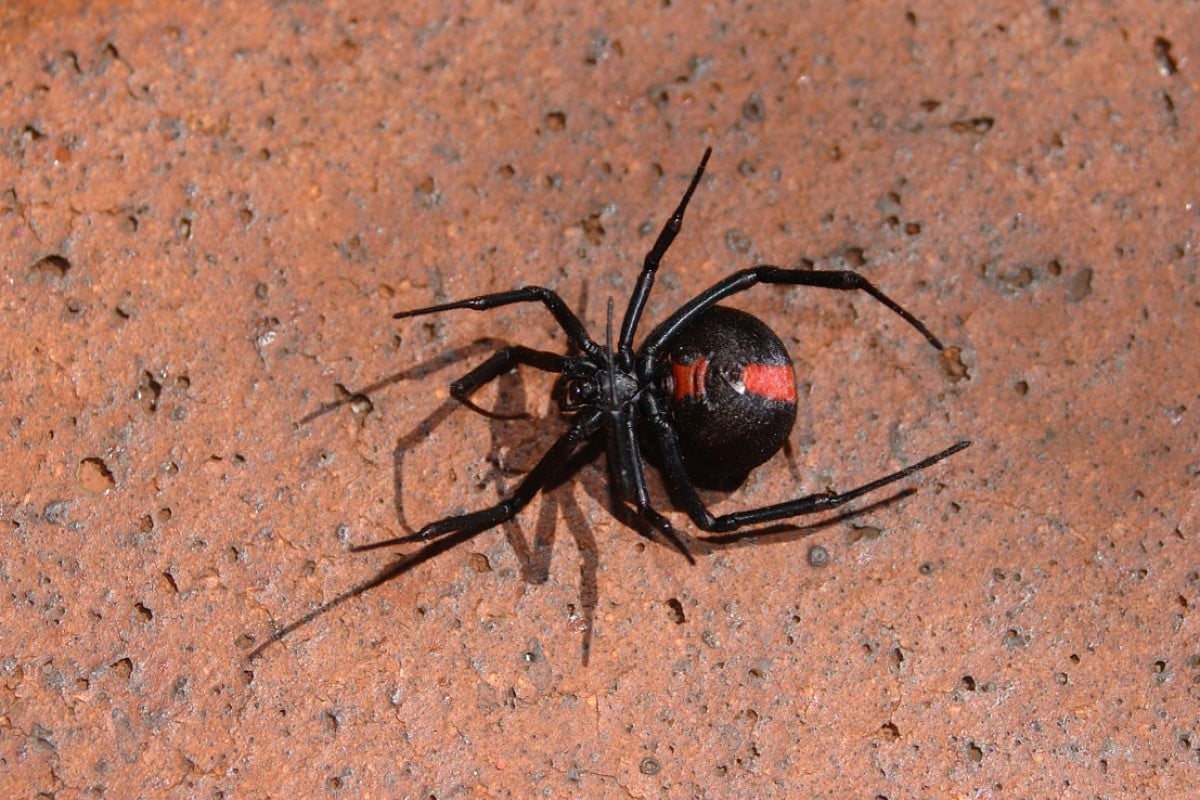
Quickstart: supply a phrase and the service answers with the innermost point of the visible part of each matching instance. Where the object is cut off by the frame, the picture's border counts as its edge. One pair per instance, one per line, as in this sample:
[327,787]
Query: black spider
[710,394]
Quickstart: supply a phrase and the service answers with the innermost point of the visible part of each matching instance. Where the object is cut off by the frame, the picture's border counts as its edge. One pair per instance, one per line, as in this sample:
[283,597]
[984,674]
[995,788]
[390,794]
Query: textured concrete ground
[208,215]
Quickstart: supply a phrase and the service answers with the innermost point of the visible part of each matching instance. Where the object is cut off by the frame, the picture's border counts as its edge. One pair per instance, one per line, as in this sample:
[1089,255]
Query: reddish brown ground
[207,218]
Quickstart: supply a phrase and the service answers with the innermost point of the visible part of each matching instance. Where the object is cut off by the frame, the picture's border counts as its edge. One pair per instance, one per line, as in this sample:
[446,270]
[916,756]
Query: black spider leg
[637,301]
[785,532]
[681,485]
[498,364]
[625,460]
[576,334]
[544,472]
[842,280]
[624,455]
[623,430]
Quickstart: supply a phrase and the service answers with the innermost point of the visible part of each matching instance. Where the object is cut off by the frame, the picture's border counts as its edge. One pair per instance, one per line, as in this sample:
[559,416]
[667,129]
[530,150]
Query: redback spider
[709,395]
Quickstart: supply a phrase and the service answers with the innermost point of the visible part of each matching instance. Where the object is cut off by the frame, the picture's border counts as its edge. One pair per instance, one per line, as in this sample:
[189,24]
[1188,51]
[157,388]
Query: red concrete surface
[209,213]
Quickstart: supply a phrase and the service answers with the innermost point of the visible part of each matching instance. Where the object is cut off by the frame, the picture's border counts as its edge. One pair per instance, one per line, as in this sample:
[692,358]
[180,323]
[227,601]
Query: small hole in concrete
[860,532]
[754,110]
[122,668]
[55,266]
[95,476]
[148,392]
[1080,285]
[953,366]
[855,257]
[1162,51]
[676,611]
[738,242]
[593,231]
[1013,638]
[975,125]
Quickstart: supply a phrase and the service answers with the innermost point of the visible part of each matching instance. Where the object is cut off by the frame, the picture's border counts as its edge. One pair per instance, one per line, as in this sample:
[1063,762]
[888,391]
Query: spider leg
[684,490]
[813,503]
[637,301]
[548,468]
[842,280]
[629,480]
[499,363]
[566,318]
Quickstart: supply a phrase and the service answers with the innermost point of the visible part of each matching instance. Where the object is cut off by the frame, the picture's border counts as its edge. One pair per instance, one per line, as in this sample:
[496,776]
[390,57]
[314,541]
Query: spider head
[588,383]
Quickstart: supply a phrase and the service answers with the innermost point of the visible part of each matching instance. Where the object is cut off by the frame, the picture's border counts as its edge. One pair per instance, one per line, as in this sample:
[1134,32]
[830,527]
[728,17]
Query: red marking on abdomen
[772,381]
[689,379]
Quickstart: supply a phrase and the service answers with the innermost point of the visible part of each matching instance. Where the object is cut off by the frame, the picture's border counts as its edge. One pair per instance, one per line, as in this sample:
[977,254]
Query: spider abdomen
[732,393]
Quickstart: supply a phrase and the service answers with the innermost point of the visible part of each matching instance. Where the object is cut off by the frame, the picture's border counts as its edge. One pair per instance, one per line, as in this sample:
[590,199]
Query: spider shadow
[534,558]
[511,453]
[440,362]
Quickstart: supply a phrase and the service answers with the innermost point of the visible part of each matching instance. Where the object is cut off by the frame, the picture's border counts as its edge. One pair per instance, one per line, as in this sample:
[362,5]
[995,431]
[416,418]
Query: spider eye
[573,394]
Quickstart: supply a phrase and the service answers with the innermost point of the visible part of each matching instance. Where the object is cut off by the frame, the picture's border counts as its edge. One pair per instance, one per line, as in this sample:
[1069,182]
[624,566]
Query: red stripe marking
[689,379]
[772,381]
